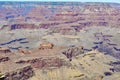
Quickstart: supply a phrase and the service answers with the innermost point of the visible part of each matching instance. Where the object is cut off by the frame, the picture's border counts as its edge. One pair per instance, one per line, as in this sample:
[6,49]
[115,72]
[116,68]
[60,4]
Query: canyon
[59,41]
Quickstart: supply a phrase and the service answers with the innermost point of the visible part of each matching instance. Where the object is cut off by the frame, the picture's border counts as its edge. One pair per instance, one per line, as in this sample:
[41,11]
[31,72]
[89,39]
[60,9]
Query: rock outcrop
[116,66]
[3,59]
[12,71]
[40,63]
[20,74]
[46,45]
[4,50]
[24,51]
[72,52]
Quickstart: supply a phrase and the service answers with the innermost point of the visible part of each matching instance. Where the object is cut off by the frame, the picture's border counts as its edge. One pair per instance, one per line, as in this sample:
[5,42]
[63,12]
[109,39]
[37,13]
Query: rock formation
[12,71]
[46,45]
[24,51]
[21,74]
[43,62]
[3,59]
[72,52]
[4,50]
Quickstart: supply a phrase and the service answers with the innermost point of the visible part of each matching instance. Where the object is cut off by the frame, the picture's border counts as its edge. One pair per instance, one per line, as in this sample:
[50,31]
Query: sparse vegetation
[1,76]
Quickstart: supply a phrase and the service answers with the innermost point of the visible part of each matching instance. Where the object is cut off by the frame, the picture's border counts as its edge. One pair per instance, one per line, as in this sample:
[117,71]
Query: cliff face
[3,59]
[86,14]
[88,66]
[12,71]
[20,74]
[54,64]
[59,16]
[40,63]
